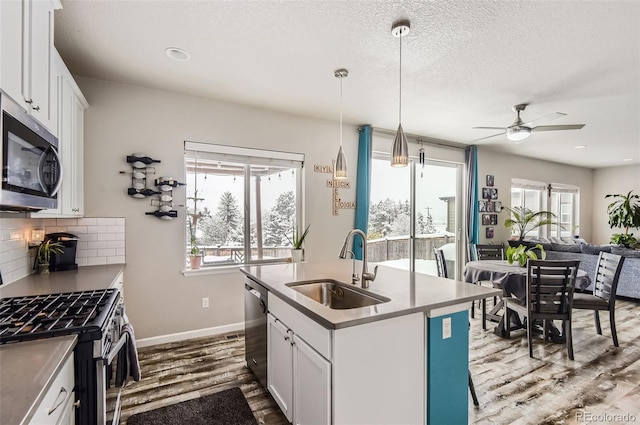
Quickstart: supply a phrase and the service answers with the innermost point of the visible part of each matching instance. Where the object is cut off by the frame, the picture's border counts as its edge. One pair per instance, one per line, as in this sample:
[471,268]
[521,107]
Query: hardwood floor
[601,385]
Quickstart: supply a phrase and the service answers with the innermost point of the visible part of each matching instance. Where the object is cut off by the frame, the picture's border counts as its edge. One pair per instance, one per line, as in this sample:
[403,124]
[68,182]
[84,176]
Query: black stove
[42,316]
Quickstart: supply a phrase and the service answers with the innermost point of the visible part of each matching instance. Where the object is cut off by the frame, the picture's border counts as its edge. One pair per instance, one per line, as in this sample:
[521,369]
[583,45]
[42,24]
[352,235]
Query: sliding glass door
[414,210]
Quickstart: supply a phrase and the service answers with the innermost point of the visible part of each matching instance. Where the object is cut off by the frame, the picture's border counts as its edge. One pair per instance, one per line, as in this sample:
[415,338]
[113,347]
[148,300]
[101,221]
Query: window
[242,204]
[560,199]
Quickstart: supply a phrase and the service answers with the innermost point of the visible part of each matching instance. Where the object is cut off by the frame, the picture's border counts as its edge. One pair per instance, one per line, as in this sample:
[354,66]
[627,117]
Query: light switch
[446,328]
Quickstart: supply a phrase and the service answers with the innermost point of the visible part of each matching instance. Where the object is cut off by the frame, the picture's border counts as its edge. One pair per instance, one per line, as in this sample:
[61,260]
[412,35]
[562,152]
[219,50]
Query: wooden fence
[396,248]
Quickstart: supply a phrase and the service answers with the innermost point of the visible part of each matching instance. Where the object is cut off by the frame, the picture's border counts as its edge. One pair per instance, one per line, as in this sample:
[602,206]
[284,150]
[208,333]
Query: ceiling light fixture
[580,146]
[518,133]
[177,54]
[340,170]
[400,151]
[628,159]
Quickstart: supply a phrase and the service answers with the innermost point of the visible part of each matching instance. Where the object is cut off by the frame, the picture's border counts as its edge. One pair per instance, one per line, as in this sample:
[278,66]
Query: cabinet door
[280,365]
[37,87]
[311,385]
[11,49]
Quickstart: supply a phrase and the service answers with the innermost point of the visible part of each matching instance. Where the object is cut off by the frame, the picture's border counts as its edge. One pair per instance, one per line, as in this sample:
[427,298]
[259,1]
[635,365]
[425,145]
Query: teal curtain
[363,186]
[471,165]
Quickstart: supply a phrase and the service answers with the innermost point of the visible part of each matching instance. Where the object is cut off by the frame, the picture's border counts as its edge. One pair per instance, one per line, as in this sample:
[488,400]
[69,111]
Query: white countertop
[27,369]
[409,292]
[87,278]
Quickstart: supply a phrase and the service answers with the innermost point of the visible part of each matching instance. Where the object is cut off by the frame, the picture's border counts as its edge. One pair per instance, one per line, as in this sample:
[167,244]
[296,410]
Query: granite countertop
[409,292]
[27,369]
[84,279]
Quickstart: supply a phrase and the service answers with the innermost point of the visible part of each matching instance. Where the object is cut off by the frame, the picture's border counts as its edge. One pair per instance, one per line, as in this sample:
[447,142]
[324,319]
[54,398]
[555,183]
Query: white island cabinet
[404,360]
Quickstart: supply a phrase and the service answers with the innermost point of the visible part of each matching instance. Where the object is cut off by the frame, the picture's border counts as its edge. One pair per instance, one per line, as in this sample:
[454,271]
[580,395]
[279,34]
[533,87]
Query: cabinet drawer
[313,333]
[57,396]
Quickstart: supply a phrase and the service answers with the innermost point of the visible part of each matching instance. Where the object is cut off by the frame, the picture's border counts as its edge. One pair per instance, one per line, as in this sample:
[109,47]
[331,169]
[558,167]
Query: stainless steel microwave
[31,167]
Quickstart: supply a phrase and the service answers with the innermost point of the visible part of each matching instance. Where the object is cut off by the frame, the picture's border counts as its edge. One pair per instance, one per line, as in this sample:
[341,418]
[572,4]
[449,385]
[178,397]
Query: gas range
[96,317]
[84,313]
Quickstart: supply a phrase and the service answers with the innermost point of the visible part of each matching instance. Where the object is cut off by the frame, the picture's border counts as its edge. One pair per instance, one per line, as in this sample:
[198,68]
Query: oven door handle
[116,349]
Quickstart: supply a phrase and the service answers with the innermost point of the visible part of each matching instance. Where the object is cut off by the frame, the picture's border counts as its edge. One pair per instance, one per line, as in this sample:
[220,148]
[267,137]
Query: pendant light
[400,151]
[340,170]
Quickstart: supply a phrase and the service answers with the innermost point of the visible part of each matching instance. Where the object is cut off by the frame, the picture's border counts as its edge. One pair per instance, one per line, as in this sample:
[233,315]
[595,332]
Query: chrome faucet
[366,276]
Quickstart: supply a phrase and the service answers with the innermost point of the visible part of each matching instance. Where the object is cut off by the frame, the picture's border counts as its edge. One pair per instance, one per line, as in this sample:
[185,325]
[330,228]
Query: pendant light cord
[400,109]
[341,111]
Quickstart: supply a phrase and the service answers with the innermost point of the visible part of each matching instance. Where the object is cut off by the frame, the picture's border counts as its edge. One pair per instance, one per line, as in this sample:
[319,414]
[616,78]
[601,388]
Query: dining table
[512,279]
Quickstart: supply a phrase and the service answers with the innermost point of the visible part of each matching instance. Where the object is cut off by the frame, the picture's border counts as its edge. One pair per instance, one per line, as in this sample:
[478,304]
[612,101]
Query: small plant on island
[521,254]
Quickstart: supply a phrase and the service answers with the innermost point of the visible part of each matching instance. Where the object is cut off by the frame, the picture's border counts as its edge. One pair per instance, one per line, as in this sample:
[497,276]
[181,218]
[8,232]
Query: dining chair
[441,266]
[550,285]
[603,297]
[482,252]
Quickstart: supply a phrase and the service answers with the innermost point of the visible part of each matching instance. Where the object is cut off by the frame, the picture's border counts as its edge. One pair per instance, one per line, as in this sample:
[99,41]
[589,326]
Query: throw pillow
[626,252]
[587,248]
[563,247]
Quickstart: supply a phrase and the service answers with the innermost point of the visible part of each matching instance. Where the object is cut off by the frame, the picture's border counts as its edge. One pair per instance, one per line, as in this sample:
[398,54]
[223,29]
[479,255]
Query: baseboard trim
[197,333]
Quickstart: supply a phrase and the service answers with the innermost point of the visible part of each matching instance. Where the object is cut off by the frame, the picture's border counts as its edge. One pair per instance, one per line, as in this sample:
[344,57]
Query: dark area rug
[227,407]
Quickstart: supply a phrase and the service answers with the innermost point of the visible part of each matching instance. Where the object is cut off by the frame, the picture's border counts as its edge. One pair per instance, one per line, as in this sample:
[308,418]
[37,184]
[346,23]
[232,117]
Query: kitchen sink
[336,295]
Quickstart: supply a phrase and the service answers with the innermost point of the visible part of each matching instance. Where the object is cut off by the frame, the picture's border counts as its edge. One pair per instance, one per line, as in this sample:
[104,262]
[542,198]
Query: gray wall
[124,119]
[607,181]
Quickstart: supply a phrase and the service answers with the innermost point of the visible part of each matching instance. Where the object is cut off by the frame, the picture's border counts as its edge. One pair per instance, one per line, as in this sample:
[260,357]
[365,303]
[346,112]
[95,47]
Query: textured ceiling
[465,63]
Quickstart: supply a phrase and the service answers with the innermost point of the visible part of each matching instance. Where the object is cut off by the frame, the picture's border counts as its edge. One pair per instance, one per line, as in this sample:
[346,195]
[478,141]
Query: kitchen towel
[132,349]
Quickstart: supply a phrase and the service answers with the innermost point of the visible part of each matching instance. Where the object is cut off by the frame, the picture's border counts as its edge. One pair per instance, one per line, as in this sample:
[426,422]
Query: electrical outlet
[205,302]
[446,328]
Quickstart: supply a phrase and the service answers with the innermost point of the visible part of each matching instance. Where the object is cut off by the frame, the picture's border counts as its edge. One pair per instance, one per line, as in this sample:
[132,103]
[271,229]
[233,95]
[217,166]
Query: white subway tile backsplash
[94,261]
[101,241]
[106,252]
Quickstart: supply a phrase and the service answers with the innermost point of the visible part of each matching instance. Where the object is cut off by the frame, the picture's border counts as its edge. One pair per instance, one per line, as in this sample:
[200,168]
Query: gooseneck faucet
[366,276]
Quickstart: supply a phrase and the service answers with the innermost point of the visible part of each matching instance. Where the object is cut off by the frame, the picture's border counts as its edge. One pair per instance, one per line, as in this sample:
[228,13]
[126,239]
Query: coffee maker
[67,259]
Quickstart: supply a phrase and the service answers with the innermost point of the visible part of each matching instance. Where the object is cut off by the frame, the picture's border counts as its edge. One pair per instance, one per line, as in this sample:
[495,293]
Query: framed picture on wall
[486,193]
[489,180]
[486,219]
[489,233]
[493,219]
[490,206]
[497,206]
[493,193]
[482,206]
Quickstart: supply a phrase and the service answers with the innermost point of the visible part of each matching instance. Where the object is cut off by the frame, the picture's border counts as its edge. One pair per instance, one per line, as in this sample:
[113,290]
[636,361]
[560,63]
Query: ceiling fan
[520,130]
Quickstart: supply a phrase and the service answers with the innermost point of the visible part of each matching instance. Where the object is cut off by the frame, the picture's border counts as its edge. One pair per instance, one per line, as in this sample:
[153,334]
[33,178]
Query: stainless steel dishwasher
[255,328]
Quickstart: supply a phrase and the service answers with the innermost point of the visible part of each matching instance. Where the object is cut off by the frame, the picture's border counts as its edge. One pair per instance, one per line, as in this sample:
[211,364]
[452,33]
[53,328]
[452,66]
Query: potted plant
[43,256]
[523,220]
[624,213]
[521,254]
[297,253]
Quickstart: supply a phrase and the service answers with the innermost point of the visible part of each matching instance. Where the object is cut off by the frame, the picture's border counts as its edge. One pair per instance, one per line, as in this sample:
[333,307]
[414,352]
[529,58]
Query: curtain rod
[422,139]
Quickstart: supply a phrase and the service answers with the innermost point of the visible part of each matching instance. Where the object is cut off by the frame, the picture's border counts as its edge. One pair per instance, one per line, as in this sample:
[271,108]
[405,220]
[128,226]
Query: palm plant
[523,220]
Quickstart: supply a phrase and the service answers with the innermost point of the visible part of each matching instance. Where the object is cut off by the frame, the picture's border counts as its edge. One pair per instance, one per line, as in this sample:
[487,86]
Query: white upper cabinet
[26,49]
[71,106]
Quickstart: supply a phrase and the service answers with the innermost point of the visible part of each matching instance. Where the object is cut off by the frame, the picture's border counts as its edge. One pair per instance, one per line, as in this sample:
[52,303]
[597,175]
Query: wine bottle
[143,159]
[171,183]
[163,214]
[145,192]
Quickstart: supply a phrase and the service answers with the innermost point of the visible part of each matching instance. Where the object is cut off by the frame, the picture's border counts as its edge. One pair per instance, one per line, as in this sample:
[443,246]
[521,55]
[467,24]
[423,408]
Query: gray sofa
[629,282]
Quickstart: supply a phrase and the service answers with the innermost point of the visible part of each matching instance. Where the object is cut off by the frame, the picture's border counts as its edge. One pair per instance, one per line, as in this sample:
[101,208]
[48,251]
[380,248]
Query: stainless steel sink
[336,295]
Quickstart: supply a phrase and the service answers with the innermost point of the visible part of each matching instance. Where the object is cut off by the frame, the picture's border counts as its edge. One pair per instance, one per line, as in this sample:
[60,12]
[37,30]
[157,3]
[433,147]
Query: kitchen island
[402,360]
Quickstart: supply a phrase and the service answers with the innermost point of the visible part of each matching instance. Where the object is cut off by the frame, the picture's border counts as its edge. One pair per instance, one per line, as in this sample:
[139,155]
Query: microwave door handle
[41,171]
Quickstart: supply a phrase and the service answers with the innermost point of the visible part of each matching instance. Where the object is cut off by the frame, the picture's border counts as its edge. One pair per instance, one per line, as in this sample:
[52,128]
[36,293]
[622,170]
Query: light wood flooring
[603,381]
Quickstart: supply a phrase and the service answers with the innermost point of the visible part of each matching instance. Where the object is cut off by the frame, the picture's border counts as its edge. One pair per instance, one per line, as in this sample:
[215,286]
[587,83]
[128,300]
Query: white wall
[123,119]
[504,167]
[611,180]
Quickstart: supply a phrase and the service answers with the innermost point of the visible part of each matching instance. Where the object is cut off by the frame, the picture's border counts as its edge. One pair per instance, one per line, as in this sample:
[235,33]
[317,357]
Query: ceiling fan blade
[552,116]
[487,137]
[557,127]
[490,128]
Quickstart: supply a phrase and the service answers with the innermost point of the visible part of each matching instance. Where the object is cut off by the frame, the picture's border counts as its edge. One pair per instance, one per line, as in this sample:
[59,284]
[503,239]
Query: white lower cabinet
[58,404]
[299,379]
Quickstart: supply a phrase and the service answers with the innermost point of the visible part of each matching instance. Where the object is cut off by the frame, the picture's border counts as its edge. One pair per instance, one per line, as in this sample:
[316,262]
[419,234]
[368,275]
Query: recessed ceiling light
[177,54]
[628,159]
[580,146]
